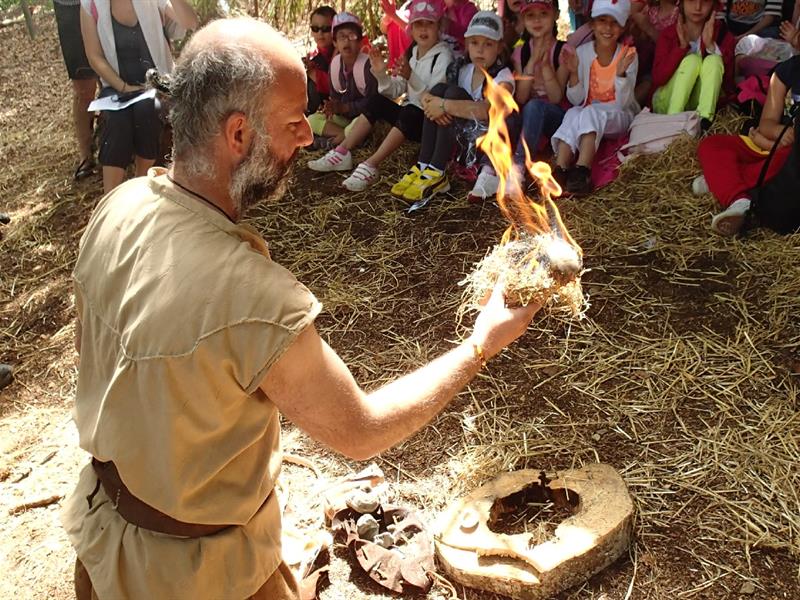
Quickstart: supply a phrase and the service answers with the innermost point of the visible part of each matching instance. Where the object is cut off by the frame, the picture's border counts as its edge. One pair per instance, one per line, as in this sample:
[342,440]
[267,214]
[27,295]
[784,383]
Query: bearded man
[191,340]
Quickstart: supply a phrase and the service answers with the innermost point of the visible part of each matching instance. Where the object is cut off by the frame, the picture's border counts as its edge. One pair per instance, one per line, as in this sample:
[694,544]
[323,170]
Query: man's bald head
[227,67]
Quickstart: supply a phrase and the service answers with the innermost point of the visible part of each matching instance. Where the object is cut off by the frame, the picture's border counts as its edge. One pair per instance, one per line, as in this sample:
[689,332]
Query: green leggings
[695,85]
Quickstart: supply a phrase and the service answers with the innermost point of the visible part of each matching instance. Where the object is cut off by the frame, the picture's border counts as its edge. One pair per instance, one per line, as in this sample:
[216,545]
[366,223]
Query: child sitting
[541,76]
[426,67]
[692,59]
[319,60]
[352,84]
[455,18]
[602,75]
[732,164]
[449,106]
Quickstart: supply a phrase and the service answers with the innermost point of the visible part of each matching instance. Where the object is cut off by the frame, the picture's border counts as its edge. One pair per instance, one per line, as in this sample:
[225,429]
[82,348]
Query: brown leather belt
[136,512]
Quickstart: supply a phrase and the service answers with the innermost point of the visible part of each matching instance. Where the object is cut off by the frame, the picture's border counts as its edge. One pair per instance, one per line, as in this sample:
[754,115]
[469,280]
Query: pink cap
[346,18]
[425,10]
[530,4]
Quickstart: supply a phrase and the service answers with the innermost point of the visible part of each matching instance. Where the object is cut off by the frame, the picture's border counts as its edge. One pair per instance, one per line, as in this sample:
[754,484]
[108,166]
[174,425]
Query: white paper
[111,102]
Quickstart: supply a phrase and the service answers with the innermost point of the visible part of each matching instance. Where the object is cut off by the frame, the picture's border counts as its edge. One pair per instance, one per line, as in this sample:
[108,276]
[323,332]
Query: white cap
[486,23]
[619,9]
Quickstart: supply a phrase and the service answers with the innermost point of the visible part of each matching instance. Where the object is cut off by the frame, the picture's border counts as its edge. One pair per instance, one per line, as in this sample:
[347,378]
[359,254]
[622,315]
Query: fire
[524,214]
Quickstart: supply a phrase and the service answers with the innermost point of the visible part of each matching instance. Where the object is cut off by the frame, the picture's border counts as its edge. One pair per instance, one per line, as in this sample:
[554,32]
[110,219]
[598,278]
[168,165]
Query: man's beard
[260,176]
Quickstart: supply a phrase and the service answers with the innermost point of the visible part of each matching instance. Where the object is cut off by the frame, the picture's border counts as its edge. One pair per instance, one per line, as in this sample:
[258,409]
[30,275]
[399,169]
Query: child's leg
[564,154]
[393,140]
[706,91]
[358,133]
[565,139]
[333,131]
[596,122]
[731,168]
[446,136]
[587,148]
[379,108]
[673,97]
[538,117]
[407,126]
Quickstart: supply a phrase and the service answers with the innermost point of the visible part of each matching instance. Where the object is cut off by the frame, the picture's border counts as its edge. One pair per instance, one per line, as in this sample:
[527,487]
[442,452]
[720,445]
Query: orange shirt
[601,80]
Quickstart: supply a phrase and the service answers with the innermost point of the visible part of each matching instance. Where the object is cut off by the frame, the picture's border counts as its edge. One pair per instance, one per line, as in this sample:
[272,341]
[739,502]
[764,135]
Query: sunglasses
[322,28]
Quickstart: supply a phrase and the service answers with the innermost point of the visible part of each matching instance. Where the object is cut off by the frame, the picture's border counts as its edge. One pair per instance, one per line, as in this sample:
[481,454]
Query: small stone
[385,539]
[367,527]
[747,589]
[362,502]
[596,437]
[469,520]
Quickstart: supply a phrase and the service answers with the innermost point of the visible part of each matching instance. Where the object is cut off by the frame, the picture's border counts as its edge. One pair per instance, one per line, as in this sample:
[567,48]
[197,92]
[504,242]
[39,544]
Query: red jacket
[669,55]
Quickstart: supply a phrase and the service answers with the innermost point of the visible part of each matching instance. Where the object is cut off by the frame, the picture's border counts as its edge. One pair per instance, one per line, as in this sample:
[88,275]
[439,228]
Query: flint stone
[594,536]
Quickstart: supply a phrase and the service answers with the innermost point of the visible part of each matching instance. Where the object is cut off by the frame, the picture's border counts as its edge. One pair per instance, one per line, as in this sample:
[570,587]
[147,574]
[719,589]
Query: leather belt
[136,512]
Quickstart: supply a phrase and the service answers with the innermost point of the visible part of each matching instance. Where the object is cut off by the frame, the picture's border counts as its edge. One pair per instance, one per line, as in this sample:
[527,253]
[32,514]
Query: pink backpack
[358,73]
[651,133]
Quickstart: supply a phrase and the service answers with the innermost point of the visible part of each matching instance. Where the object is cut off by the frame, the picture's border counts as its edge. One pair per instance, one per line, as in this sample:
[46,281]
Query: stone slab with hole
[597,532]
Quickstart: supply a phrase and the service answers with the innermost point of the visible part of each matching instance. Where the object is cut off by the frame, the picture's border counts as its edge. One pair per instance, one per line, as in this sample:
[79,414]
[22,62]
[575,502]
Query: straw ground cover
[683,374]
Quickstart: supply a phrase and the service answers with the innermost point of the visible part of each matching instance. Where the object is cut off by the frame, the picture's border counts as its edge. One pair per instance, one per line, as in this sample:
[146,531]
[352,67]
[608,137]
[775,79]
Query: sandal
[85,169]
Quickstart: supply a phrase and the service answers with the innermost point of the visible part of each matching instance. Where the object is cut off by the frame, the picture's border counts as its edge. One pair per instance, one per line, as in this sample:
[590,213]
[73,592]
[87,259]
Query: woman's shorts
[133,131]
[68,20]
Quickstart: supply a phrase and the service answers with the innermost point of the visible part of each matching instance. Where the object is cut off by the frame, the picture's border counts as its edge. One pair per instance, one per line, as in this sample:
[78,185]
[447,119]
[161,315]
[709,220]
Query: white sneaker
[485,186]
[360,179]
[730,221]
[332,161]
[699,185]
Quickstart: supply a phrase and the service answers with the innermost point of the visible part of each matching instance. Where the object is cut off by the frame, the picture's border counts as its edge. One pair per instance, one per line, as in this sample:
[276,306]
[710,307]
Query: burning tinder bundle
[537,259]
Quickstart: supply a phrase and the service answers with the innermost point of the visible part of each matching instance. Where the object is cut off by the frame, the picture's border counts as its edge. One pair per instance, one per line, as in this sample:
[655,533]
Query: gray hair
[209,84]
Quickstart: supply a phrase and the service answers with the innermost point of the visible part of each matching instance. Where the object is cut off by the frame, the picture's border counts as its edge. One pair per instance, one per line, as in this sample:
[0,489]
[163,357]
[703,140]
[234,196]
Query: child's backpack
[750,99]
[651,133]
[358,73]
[776,203]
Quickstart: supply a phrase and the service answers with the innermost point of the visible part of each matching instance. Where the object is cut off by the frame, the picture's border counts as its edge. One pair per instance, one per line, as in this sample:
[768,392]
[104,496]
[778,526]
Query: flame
[524,214]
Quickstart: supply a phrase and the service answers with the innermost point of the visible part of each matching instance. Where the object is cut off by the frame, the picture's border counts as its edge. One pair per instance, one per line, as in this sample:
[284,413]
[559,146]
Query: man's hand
[498,326]
[708,33]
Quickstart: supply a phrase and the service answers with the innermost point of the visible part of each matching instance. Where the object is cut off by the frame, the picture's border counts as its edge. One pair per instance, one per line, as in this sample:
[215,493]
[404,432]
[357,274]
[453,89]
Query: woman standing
[123,39]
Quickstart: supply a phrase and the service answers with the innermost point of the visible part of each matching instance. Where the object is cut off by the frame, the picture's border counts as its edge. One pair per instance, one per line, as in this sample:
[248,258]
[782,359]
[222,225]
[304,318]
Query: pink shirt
[458,17]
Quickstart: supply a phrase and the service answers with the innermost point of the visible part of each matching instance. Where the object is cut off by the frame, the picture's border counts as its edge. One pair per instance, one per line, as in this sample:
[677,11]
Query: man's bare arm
[314,389]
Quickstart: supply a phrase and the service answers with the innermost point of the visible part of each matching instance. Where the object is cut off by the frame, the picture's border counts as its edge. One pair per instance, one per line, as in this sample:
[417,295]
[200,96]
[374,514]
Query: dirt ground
[683,376]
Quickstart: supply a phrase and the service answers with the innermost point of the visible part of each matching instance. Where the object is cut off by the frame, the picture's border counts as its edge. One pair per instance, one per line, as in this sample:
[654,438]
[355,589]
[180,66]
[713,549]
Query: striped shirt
[751,12]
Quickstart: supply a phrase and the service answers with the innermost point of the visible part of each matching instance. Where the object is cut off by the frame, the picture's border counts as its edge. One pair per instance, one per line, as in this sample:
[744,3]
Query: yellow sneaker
[399,188]
[429,183]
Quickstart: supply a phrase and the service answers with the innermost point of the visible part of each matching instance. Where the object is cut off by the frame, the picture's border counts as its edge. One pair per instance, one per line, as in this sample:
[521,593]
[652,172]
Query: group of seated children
[674,57]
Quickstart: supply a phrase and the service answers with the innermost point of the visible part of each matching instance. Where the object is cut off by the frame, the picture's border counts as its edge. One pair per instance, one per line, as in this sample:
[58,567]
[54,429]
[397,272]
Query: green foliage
[287,15]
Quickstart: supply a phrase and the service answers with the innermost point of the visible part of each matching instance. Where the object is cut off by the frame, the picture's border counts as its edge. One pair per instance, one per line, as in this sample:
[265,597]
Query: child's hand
[402,68]
[376,61]
[708,32]
[789,33]
[389,8]
[626,61]
[569,58]
[333,107]
[683,33]
[433,106]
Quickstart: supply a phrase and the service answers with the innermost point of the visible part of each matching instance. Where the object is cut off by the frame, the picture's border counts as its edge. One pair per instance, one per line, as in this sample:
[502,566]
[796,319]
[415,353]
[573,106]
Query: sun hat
[425,10]
[618,9]
[486,23]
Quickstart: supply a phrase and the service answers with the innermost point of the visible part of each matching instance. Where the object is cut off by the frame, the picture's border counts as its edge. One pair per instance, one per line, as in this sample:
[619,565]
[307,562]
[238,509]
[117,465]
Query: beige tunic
[183,313]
